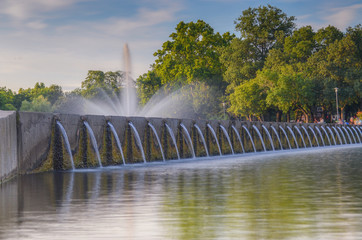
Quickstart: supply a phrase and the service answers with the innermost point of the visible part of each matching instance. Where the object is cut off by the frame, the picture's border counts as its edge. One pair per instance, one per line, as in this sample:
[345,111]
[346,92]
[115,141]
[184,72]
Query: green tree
[101,85]
[39,104]
[6,99]
[301,44]
[326,36]
[191,55]
[247,100]
[147,85]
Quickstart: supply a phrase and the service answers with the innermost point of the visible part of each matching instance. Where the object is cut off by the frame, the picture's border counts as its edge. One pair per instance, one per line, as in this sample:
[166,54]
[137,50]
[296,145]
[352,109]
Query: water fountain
[250,137]
[227,137]
[276,133]
[202,138]
[315,136]
[215,137]
[341,132]
[260,137]
[238,136]
[138,140]
[173,139]
[94,142]
[349,137]
[320,134]
[188,140]
[331,133]
[118,142]
[66,141]
[337,133]
[286,136]
[306,133]
[354,129]
[325,132]
[301,136]
[295,139]
[270,139]
[158,140]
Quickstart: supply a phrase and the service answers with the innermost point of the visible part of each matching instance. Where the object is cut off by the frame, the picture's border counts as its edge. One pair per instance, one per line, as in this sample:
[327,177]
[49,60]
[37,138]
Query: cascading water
[202,138]
[349,137]
[173,139]
[115,135]
[295,139]
[301,136]
[320,135]
[270,138]
[315,136]
[66,141]
[276,133]
[250,137]
[344,137]
[359,130]
[261,138]
[189,142]
[138,140]
[130,96]
[339,137]
[325,132]
[286,136]
[331,133]
[306,132]
[359,139]
[227,137]
[215,137]
[158,140]
[238,136]
[94,142]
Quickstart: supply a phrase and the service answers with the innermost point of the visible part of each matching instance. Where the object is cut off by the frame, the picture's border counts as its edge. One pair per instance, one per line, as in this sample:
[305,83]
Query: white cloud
[64,55]
[342,17]
[25,9]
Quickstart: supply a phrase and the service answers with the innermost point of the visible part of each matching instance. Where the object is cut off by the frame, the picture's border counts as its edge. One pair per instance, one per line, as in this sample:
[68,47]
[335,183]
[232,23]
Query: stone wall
[8,145]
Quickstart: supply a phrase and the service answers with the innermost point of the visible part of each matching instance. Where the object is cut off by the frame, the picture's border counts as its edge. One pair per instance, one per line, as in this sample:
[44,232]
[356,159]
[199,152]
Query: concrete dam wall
[33,142]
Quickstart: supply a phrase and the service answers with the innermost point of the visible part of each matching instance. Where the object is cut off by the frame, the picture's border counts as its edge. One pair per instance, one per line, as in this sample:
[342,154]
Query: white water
[331,133]
[215,137]
[227,137]
[301,136]
[295,139]
[251,138]
[94,142]
[138,139]
[158,140]
[325,132]
[320,134]
[339,137]
[276,133]
[261,138]
[238,135]
[173,139]
[286,136]
[117,140]
[306,132]
[66,141]
[349,137]
[270,139]
[356,134]
[342,133]
[202,138]
[315,136]
[189,142]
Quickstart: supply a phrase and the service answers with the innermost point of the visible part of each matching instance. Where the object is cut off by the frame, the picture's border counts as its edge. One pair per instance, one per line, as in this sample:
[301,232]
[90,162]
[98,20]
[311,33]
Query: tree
[262,29]
[100,85]
[6,99]
[301,44]
[263,26]
[39,104]
[326,36]
[147,85]
[247,100]
[191,55]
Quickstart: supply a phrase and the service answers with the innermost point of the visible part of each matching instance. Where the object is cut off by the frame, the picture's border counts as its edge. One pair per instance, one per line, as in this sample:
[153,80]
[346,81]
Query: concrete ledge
[8,145]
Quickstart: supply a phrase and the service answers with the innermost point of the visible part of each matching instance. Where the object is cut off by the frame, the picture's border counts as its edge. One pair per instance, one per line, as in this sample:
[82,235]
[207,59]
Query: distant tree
[6,99]
[147,85]
[326,36]
[301,45]
[39,104]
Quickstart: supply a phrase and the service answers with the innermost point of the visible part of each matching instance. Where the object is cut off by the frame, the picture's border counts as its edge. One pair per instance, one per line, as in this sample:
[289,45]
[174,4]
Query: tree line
[272,71]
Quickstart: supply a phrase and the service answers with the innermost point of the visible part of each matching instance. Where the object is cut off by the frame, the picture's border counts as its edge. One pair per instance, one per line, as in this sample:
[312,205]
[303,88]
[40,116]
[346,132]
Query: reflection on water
[304,195]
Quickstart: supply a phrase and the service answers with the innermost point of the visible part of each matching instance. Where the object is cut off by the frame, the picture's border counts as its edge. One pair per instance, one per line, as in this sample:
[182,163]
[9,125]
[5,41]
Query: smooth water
[300,194]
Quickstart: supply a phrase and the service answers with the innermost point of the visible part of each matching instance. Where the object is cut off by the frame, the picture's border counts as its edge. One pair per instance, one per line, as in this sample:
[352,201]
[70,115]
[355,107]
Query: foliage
[39,104]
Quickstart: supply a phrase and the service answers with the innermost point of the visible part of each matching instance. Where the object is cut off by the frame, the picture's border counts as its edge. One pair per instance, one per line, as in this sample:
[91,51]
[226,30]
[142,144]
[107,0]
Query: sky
[58,41]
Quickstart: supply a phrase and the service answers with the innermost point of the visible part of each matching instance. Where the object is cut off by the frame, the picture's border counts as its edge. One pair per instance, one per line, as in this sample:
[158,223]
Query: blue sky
[58,41]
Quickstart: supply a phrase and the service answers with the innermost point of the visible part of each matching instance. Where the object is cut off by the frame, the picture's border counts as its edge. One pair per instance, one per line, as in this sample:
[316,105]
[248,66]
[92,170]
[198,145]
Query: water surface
[305,194]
